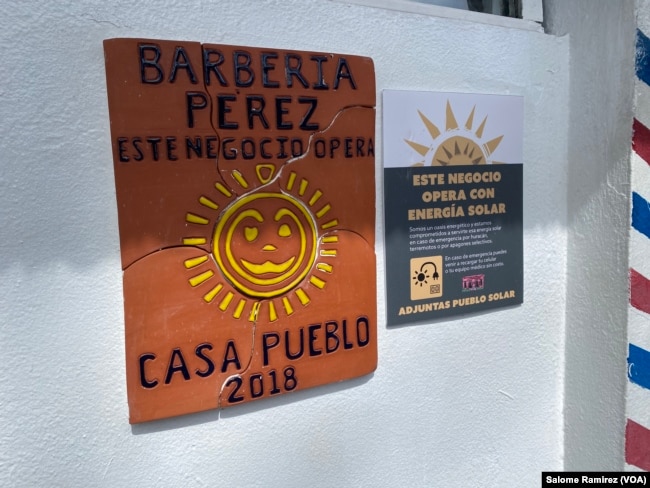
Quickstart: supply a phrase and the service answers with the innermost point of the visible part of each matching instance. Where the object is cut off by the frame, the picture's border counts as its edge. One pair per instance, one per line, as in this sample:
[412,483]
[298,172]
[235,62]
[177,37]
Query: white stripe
[642,102]
[640,177]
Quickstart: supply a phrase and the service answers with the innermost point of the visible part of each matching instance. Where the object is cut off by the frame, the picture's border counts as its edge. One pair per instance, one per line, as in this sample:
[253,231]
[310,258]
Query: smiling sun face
[265,243]
[456,146]
[271,248]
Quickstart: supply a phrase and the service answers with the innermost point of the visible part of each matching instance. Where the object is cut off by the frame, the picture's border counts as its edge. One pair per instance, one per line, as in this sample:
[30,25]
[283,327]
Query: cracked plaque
[246,203]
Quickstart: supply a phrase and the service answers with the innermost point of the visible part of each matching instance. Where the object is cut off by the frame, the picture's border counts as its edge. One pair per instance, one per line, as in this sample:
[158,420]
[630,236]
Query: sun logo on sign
[456,145]
[267,245]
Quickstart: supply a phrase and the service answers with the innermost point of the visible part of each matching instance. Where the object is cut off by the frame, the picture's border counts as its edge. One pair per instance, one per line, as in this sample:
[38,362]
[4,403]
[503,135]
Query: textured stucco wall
[602,78]
[475,401]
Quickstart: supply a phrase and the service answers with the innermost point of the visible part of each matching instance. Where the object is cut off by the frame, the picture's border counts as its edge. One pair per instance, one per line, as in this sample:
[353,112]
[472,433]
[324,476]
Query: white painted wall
[602,36]
[475,401]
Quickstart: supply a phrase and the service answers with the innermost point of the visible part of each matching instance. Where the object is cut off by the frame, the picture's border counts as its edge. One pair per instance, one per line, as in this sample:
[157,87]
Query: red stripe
[641,140]
[639,291]
[637,445]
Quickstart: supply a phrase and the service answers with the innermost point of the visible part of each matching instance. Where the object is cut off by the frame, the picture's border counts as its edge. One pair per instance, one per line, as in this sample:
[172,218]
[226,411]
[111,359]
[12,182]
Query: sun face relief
[265,244]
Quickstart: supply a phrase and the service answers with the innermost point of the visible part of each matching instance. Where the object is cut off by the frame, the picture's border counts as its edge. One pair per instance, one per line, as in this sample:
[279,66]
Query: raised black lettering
[248,148]
[320,84]
[266,67]
[312,338]
[233,398]
[332,340]
[211,66]
[121,150]
[282,153]
[242,60]
[223,109]
[346,344]
[194,101]
[343,71]
[230,356]
[143,377]
[293,64]
[208,362]
[362,323]
[170,143]
[266,345]
[229,153]
[360,143]
[182,61]
[210,147]
[153,141]
[148,63]
[280,123]
[319,148]
[304,122]
[174,368]
[137,145]
[263,142]
[347,144]
[196,146]
[287,345]
[335,143]
[255,107]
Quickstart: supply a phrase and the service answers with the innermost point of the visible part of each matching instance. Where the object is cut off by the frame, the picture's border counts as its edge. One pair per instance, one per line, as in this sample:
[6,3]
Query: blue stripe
[638,366]
[640,214]
[642,57]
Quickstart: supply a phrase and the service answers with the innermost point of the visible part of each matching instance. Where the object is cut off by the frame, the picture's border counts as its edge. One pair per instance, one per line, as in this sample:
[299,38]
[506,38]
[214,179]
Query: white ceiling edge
[531,23]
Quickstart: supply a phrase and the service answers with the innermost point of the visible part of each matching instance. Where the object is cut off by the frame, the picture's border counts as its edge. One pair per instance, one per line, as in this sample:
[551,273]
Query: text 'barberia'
[267,70]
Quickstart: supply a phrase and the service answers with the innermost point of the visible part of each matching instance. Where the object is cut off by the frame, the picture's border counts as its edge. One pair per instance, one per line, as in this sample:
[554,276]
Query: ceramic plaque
[246,203]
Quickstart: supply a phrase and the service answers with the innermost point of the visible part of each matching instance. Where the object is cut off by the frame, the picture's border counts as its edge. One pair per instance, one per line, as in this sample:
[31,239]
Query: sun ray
[287,305]
[330,224]
[254,312]
[223,306]
[273,315]
[470,119]
[328,252]
[198,279]
[323,210]
[206,202]
[479,131]
[196,219]
[324,267]
[431,127]
[421,149]
[302,296]
[331,239]
[193,262]
[240,308]
[303,187]
[314,198]
[194,241]
[209,296]
[491,146]
[317,282]
[451,123]
[240,179]
[222,189]
[292,180]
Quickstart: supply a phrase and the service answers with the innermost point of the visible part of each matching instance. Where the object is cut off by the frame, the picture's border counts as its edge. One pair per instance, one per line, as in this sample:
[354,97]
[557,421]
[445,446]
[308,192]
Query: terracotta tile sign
[246,203]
